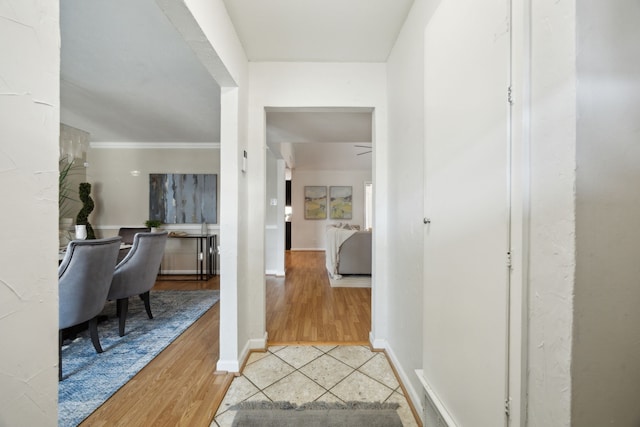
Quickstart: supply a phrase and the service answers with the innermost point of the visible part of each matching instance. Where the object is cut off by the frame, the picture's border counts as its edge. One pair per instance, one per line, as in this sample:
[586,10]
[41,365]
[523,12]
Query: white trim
[154,145]
[380,344]
[442,410]
[228,366]
[307,249]
[274,273]
[234,365]
[377,344]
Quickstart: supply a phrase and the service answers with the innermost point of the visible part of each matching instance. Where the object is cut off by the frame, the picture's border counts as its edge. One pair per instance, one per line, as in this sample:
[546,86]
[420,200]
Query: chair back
[84,277]
[128,233]
[137,272]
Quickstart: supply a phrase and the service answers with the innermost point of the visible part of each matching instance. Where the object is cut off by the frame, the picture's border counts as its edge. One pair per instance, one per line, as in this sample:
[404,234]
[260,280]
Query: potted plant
[67,197]
[153,224]
[82,219]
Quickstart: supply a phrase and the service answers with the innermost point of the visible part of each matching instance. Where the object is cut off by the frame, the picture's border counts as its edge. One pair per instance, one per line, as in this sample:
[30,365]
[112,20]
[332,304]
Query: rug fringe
[265,404]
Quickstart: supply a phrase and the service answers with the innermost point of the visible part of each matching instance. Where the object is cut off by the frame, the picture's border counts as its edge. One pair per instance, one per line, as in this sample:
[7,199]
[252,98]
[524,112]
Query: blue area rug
[89,378]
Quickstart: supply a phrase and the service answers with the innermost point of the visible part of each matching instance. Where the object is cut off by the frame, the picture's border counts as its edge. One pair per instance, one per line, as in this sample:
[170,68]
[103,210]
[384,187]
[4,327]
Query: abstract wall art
[183,198]
[315,202]
[340,202]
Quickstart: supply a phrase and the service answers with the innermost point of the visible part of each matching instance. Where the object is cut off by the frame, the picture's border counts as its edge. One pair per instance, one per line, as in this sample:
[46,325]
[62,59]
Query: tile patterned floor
[302,374]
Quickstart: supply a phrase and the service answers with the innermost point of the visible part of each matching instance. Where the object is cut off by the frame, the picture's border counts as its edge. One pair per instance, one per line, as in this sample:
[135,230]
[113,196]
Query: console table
[206,254]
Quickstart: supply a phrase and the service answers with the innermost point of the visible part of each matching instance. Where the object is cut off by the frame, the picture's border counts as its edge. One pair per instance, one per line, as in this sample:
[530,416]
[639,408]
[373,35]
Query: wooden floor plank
[180,388]
[303,307]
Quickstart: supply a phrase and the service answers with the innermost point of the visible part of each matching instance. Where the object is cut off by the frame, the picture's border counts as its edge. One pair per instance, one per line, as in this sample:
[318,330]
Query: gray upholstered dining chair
[136,274]
[84,278]
[128,233]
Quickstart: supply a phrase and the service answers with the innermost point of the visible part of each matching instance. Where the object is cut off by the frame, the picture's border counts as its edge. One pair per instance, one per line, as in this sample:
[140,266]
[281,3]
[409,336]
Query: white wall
[552,212]
[314,85]
[405,207]
[309,234]
[606,335]
[30,123]
[222,53]
[122,198]
[546,139]
[274,220]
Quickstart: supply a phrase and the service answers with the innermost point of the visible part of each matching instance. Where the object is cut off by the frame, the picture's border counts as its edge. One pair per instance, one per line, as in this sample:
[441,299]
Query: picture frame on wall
[183,198]
[341,202]
[315,202]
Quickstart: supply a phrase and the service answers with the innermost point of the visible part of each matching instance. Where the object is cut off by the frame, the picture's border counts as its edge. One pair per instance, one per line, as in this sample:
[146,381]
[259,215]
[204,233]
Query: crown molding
[155,145]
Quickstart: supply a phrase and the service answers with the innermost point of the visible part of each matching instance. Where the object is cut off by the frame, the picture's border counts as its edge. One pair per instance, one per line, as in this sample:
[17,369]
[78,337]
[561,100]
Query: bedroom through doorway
[319,184]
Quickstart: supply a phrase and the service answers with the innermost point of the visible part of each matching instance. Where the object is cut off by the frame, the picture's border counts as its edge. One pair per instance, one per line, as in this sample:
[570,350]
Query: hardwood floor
[180,388]
[303,307]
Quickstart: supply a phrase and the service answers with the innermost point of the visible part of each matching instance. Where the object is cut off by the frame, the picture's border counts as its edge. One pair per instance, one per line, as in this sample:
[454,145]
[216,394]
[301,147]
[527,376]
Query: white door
[467,46]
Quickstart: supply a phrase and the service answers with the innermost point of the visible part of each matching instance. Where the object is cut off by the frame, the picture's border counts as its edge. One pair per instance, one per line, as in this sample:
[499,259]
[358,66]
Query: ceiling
[128,76]
[318,30]
[321,139]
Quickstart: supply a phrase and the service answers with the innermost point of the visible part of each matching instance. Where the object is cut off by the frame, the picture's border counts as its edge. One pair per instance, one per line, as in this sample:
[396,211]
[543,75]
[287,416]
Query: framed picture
[315,202]
[183,198]
[340,199]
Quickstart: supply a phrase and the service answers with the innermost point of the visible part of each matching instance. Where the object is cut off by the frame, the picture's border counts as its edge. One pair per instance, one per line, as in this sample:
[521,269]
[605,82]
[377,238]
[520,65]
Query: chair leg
[60,355]
[147,303]
[93,331]
[122,307]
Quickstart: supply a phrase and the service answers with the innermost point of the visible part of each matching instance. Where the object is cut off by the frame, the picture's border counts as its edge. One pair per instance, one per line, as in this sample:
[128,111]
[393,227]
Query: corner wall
[30,123]
[220,50]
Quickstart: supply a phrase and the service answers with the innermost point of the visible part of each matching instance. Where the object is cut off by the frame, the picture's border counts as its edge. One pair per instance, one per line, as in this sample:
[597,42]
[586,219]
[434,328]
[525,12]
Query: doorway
[320,148]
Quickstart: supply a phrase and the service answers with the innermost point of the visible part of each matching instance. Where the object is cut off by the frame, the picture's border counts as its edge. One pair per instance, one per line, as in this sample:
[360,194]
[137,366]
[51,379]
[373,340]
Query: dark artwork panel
[183,198]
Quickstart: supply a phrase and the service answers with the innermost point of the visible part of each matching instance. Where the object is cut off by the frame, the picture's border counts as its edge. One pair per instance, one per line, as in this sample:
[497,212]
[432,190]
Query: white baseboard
[380,344]
[228,365]
[234,365]
[377,344]
[308,249]
[253,344]
[274,273]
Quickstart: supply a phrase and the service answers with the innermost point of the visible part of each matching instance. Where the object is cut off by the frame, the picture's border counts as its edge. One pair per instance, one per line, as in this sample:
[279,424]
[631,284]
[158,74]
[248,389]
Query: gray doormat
[316,414]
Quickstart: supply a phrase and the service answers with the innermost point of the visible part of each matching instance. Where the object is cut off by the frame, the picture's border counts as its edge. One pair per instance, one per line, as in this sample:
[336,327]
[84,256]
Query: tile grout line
[325,391]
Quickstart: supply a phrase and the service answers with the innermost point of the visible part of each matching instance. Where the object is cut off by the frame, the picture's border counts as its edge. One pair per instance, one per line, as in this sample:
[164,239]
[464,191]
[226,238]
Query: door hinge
[509,260]
[507,407]
[509,96]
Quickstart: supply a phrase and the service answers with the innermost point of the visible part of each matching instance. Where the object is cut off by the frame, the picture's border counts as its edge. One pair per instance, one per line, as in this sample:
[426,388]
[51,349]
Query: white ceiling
[318,30]
[128,76]
[326,139]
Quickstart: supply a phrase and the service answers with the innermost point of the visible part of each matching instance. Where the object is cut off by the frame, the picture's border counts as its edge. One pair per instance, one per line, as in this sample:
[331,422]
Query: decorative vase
[154,229]
[81,232]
